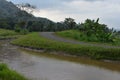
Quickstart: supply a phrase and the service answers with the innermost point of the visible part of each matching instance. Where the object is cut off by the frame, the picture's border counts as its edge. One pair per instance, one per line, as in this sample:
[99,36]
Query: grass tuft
[7,74]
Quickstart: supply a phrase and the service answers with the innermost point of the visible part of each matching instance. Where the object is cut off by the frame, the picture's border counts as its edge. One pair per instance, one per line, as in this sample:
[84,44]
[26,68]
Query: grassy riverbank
[7,74]
[79,36]
[34,40]
[8,34]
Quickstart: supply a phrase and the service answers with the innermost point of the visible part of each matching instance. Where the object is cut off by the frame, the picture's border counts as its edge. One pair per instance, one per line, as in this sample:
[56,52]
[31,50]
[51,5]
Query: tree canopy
[100,32]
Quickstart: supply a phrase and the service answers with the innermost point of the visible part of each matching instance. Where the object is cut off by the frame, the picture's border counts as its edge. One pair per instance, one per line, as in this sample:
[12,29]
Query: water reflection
[112,66]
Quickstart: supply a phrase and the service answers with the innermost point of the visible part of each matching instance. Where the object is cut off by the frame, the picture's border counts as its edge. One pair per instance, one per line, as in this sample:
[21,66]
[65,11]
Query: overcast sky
[57,10]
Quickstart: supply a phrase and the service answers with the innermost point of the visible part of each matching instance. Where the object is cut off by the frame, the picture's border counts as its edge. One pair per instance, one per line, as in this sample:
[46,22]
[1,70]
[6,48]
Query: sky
[57,10]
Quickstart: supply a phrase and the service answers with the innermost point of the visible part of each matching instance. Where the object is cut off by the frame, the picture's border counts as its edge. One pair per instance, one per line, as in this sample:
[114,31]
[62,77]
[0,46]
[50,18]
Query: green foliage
[36,26]
[76,34]
[4,32]
[17,28]
[8,34]
[20,28]
[70,23]
[73,34]
[91,31]
[7,74]
[34,40]
[4,23]
[97,32]
[80,36]
[24,31]
[21,25]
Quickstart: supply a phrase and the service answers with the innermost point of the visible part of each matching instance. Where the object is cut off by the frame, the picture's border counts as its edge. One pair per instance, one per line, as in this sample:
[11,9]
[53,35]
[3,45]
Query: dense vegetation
[8,34]
[34,40]
[7,74]
[97,32]
[92,31]
[80,36]
[34,25]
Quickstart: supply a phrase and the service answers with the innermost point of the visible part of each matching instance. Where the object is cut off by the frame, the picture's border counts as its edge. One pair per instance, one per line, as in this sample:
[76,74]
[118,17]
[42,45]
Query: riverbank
[36,41]
[7,74]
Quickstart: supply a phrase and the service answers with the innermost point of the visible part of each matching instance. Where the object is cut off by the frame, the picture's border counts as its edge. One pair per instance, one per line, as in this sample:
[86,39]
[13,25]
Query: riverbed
[44,66]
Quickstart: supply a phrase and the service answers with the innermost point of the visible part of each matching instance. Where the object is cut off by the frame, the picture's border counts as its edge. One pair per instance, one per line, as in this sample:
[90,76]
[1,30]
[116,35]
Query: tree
[17,28]
[20,27]
[36,26]
[4,25]
[100,31]
[70,23]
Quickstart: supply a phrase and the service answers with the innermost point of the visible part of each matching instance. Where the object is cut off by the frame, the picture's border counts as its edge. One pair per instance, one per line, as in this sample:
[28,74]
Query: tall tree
[70,23]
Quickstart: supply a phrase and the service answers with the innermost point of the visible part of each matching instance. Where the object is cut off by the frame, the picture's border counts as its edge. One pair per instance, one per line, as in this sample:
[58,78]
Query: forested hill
[12,17]
[9,13]
[9,10]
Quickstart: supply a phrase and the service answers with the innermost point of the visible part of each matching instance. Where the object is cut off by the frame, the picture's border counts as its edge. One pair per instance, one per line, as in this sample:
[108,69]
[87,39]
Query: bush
[100,31]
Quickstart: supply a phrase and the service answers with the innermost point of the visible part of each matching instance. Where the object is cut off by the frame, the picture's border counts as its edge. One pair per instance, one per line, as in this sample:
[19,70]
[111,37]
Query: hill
[9,10]
[10,15]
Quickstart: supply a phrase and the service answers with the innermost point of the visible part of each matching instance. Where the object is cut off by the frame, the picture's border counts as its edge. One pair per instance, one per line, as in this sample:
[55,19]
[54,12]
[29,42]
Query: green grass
[6,34]
[72,34]
[79,36]
[7,74]
[34,40]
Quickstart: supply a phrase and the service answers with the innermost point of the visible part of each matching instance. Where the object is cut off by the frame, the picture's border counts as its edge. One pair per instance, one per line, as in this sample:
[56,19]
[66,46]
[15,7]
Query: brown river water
[43,66]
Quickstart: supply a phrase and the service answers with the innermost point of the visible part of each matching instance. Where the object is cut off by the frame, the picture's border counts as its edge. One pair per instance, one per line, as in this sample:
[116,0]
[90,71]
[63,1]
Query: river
[42,66]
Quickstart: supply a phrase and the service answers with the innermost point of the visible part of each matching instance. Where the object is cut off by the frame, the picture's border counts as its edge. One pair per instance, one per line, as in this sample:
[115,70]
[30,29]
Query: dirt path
[51,35]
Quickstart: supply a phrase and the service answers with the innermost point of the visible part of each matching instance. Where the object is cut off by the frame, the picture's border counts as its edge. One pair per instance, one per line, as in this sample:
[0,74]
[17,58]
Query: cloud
[94,0]
[107,10]
[43,3]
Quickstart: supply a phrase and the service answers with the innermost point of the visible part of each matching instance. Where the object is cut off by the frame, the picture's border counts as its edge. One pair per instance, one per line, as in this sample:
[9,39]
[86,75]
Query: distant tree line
[37,25]
[89,27]
[43,25]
